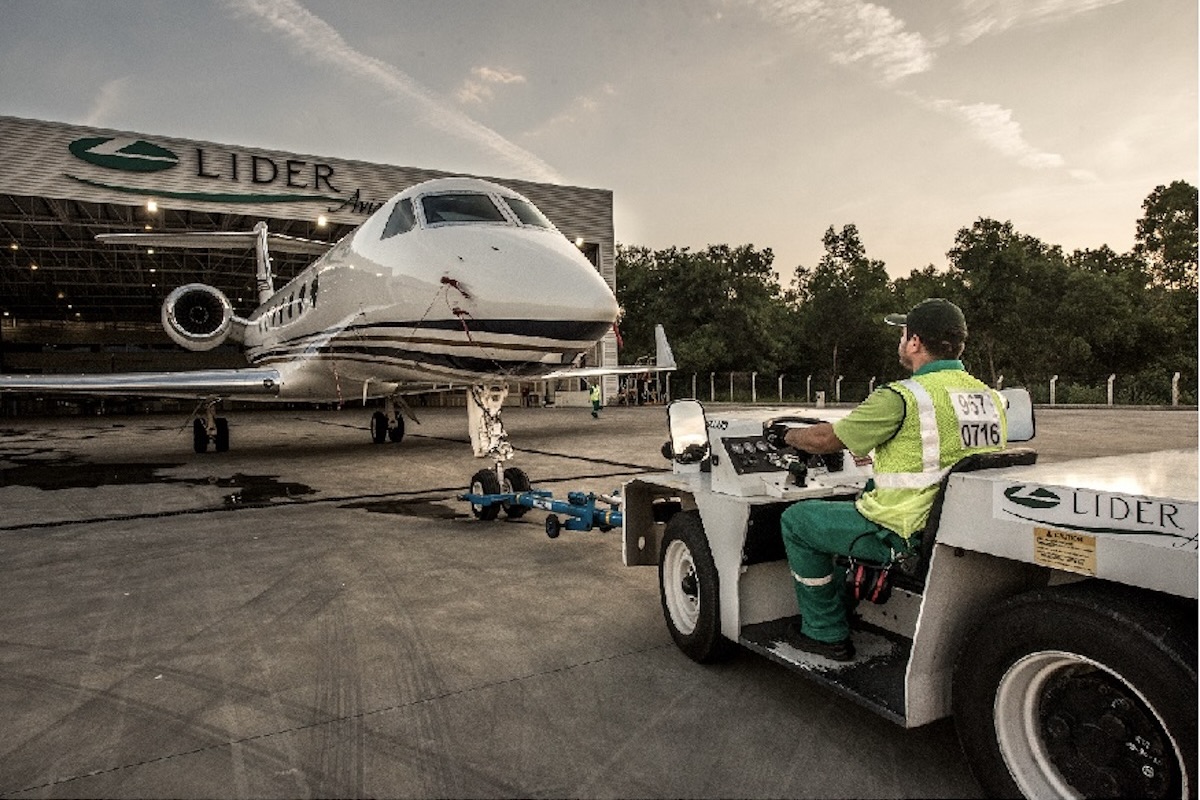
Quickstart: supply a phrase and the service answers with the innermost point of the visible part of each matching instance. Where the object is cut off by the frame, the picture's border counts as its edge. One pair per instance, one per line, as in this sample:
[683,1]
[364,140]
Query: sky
[759,122]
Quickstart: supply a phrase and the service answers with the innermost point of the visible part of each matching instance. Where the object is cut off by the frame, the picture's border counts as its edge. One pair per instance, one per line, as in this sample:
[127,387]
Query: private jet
[454,282]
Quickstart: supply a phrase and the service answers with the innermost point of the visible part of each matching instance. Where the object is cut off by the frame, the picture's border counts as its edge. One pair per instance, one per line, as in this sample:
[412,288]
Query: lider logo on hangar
[122,154]
[140,156]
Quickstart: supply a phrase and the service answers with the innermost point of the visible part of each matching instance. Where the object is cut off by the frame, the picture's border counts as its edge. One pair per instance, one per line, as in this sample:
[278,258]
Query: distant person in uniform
[594,394]
[918,429]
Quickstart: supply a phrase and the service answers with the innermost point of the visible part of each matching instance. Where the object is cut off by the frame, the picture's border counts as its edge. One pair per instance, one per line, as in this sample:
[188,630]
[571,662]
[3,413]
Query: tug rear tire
[1081,690]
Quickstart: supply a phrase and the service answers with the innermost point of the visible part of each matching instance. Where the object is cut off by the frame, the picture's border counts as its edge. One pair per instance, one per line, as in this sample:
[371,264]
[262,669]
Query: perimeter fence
[1142,389]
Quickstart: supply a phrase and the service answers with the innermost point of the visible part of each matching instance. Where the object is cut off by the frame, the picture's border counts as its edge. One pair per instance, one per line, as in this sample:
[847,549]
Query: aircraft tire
[689,590]
[379,427]
[485,482]
[1081,690]
[396,434]
[221,440]
[199,436]
[515,481]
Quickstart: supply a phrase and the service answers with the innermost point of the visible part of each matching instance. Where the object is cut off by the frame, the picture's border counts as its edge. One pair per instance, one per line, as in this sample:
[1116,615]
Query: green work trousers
[813,532]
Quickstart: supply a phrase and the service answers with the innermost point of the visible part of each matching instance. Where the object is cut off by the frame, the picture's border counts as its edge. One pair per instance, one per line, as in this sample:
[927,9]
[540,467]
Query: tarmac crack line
[361,715]
[436,493]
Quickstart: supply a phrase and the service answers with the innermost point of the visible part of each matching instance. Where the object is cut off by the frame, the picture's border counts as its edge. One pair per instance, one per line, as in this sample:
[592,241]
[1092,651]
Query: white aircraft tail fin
[663,357]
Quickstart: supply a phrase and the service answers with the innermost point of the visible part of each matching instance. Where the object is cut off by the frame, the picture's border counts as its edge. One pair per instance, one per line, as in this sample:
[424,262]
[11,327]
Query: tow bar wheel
[687,578]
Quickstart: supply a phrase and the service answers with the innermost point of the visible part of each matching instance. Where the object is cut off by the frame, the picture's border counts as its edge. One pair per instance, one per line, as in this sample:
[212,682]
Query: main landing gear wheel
[688,587]
[1081,691]
[396,434]
[485,482]
[199,436]
[515,482]
[221,439]
[379,427]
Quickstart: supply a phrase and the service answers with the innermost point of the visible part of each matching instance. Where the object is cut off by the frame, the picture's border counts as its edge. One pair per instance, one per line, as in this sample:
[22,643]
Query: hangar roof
[61,185]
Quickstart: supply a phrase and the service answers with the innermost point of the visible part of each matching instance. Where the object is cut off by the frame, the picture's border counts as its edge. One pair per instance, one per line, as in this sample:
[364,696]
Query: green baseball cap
[935,318]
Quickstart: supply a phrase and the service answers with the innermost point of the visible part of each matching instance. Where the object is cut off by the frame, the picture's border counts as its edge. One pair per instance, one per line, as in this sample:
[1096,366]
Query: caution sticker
[1065,550]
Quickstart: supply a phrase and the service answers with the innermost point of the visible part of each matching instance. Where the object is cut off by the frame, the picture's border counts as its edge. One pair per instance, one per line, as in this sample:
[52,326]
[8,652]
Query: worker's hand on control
[776,435]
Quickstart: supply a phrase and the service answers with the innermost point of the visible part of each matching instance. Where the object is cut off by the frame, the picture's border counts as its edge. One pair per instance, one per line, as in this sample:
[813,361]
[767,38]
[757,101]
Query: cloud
[108,102]
[581,107]
[994,126]
[313,38]
[987,17]
[479,87]
[853,32]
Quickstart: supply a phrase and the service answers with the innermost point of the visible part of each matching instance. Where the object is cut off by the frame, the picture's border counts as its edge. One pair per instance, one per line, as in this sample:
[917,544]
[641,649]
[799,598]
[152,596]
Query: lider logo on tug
[1168,521]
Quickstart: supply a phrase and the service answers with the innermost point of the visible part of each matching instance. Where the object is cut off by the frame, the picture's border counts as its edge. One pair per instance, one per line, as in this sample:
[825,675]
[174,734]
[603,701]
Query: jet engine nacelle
[197,316]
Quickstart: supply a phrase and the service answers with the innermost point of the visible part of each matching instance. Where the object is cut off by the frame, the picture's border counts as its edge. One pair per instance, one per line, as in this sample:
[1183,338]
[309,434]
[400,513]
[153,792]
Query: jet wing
[219,240]
[664,361]
[196,385]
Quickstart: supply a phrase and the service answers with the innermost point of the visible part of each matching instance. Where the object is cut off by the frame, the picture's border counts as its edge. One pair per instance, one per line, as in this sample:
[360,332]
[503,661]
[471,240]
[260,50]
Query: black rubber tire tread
[553,526]
[1146,637]
[199,436]
[379,427]
[517,482]
[487,483]
[221,440]
[705,644]
[396,434]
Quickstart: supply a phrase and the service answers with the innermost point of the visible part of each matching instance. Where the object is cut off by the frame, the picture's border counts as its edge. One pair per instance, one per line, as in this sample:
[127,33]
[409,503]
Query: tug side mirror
[1019,411]
[689,432]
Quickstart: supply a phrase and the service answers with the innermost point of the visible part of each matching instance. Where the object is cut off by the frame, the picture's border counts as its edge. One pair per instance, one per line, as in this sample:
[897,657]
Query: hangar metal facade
[70,304]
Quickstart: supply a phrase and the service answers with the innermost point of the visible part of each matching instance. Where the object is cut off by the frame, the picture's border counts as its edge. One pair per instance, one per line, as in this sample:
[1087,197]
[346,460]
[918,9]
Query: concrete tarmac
[311,615]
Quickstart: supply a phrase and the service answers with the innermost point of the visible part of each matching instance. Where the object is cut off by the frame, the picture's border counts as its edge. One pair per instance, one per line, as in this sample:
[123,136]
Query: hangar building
[70,304]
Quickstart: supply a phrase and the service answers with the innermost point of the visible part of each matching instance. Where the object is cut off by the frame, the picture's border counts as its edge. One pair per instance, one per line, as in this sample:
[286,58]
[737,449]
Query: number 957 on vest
[978,419]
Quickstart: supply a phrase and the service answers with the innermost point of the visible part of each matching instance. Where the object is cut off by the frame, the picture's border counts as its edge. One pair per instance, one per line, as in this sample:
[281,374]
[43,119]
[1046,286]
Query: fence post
[1053,380]
[693,385]
[781,388]
[712,387]
[871,385]
[1000,382]
[1111,379]
[667,399]
[837,393]
[731,386]
[1175,389]
[808,390]
[753,387]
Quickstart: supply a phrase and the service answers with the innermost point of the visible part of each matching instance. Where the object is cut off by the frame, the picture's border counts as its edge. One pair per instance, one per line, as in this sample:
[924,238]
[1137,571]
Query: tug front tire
[1084,690]
[689,590]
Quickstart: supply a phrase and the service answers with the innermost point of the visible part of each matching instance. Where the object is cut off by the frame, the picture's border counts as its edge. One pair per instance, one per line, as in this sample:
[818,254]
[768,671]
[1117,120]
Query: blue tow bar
[580,508]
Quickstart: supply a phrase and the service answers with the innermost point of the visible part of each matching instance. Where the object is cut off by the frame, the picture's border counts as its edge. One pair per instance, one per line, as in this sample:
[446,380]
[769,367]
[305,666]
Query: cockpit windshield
[528,213]
[462,207]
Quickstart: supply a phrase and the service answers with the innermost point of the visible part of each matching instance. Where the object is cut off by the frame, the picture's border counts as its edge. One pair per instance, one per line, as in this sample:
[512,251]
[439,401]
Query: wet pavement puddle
[51,476]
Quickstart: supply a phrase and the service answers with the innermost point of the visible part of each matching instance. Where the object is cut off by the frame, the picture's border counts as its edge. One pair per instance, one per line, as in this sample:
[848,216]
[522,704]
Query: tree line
[1034,311]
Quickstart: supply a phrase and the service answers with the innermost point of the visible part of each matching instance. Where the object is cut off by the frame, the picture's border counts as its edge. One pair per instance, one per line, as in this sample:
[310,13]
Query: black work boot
[836,651]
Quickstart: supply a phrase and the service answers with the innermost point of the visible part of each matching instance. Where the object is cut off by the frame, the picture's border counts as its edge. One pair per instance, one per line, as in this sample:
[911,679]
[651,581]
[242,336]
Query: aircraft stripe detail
[584,332]
[449,361]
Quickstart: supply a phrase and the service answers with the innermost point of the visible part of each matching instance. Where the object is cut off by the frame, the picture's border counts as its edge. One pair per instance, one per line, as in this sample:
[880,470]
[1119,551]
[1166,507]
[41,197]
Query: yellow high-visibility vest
[948,414]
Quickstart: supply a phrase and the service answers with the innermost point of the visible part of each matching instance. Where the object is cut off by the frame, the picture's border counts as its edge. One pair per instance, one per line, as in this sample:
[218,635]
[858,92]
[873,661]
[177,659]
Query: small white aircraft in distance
[454,282]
